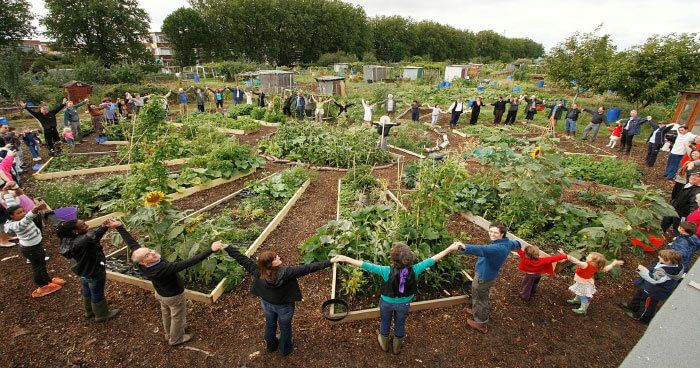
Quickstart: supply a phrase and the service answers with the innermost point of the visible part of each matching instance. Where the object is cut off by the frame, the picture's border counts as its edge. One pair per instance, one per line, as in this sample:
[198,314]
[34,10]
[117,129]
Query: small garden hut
[77,90]
[375,73]
[340,67]
[275,81]
[688,111]
[412,72]
[331,85]
[456,71]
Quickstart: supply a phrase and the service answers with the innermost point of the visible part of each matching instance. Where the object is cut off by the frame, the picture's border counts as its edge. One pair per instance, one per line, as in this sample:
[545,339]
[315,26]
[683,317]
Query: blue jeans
[94,288]
[397,312]
[672,167]
[282,313]
[585,299]
[570,125]
[34,151]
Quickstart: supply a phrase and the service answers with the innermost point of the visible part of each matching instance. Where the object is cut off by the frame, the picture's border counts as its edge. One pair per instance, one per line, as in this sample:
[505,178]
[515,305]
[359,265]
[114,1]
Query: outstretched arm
[244,261]
[453,247]
[128,239]
[346,259]
[294,272]
[612,264]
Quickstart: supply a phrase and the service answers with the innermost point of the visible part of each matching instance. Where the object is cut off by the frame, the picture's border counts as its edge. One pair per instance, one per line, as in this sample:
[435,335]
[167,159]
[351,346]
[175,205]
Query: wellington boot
[103,313]
[398,344]
[383,341]
[87,304]
[574,301]
[581,310]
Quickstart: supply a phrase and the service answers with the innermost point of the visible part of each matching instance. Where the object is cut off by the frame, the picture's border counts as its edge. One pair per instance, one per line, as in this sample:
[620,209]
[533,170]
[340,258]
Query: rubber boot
[87,304]
[574,301]
[103,313]
[582,309]
[383,341]
[398,344]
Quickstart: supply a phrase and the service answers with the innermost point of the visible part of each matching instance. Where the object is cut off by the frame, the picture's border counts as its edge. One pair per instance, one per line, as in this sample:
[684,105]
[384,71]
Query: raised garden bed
[129,275]
[41,174]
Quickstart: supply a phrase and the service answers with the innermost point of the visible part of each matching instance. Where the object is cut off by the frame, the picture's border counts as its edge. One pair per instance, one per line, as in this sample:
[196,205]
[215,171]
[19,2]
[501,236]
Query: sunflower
[153,198]
[537,152]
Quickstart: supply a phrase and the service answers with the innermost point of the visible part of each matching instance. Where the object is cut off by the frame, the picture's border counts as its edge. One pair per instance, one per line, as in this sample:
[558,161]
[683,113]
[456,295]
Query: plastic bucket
[540,83]
[613,114]
[66,213]
[3,120]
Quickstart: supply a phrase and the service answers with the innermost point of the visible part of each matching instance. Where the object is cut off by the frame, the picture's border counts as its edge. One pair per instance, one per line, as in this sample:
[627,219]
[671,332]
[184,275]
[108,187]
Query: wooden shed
[412,72]
[331,85]
[464,71]
[375,73]
[77,90]
[340,67]
[275,81]
[688,111]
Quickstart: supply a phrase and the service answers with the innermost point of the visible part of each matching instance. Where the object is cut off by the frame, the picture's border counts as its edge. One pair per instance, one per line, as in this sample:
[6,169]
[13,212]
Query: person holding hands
[584,279]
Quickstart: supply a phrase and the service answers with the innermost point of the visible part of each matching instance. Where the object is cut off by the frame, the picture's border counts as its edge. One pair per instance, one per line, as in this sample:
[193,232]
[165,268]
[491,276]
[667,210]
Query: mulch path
[544,332]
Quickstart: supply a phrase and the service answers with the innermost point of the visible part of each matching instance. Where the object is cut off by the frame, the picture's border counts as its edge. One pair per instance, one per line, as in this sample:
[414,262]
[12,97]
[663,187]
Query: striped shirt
[25,229]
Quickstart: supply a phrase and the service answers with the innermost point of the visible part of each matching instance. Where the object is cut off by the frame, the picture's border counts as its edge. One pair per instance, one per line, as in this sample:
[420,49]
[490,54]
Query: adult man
[597,119]
[287,104]
[87,260]
[170,290]
[678,150]
[684,203]
[499,107]
[570,120]
[299,104]
[655,141]
[491,259]
[456,109]
[555,113]
[632,127]
[47,120]
[237,93]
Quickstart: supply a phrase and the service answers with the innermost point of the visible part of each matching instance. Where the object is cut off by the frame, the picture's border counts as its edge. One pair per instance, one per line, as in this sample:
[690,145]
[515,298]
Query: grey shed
[275,81]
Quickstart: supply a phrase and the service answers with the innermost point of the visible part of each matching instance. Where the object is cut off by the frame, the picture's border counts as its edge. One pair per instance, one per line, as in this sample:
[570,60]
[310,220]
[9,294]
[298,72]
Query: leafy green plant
[606,170]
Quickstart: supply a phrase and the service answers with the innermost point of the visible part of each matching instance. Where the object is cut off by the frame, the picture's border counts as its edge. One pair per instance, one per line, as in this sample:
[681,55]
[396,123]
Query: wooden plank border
[588,154]
[221,130]
[115,143]
[39,175]
[406,151]
[261,122]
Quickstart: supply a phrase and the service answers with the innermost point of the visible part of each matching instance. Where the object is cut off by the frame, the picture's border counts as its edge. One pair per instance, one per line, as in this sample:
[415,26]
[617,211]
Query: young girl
[398,288]
[68,135]
[534,266]
[615,136]
[584,285]
[654,285]
[435,115]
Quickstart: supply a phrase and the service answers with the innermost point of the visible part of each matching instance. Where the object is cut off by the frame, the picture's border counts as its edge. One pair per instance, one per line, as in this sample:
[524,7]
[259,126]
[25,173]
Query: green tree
[658,70]
[111,30]
[13,81]
[393,37]
[15,21]
[186,30]
[585,58]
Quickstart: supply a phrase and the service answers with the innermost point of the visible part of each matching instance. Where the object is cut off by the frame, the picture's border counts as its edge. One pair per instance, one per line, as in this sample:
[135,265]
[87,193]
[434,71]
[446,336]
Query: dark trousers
[643,306]
[36,256]
[497,115]
[200,108]
[94,288]
[300,113]
[668,221]
[626,142]
[480,299]
[530,282]
[287,110]
[415,115]
[473,118]
[674,162]
[51,137]
[510,118]
[398,312]
[677,187]
[652,153]
[282,314]
[455,119]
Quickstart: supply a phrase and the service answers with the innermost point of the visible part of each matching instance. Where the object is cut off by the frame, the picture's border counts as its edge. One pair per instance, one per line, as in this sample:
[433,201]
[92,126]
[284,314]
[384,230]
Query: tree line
[283,32]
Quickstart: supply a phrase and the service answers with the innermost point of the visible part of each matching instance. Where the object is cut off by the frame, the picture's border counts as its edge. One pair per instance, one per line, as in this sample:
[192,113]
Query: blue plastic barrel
[540,83]
[613,114]
[574,82]
[480,88]
[510,77]
[517,89]
[470,103]
[196,78]
[3,120]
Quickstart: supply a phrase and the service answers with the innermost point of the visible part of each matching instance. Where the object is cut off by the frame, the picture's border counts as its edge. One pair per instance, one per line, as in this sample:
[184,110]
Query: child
[31,248]
[654,285]
[31,140]
[686,243]
[534,266]
[68,135]
[615,136]
[398,288]
[435,115]
[584,286]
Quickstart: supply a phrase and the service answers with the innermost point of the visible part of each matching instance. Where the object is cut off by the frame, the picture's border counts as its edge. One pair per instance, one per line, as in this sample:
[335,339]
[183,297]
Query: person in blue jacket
[632,126]
[490,259]
[655,284]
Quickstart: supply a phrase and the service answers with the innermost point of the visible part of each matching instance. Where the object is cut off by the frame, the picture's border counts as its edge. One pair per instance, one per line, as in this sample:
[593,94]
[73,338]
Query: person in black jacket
[261,98]
[684,203]
[513,109]
[278,288]
[570,120]
[555,113]
[47,119]
[499,107]
[656,141]
[476,109]
[598,118]
[170,290]
[87,260]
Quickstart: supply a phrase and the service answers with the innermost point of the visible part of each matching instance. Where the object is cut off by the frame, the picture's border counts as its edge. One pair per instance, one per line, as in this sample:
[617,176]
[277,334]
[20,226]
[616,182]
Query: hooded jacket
[87,259]
[285,288]
[660,280]
[686,246]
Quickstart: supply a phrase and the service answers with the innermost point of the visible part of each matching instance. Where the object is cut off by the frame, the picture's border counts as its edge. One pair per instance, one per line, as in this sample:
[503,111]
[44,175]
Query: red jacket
[540,265]
[617,131]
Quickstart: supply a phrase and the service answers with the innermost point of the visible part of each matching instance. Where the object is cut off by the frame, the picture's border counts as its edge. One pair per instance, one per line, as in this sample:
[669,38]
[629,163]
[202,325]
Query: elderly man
[47,120]
[632,126]
[594,126]
[170,290]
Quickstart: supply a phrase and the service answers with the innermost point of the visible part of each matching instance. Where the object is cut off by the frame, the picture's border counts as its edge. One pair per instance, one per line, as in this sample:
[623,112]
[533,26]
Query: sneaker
[58,281]
[45,290]
[185,338]
[36,159]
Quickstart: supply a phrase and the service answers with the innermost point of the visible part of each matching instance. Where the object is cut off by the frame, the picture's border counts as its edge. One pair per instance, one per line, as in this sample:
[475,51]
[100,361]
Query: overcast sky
[629,22]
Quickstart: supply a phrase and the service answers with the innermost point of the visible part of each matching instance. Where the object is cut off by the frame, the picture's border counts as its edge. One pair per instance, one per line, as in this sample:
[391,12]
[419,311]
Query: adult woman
[398,288]
[689,162]
[320,111]
[476,109]
[278,289]
[531,108]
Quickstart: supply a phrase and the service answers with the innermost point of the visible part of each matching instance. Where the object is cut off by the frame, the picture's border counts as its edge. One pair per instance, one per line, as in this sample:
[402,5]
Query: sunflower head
[153,198]
[537,152]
